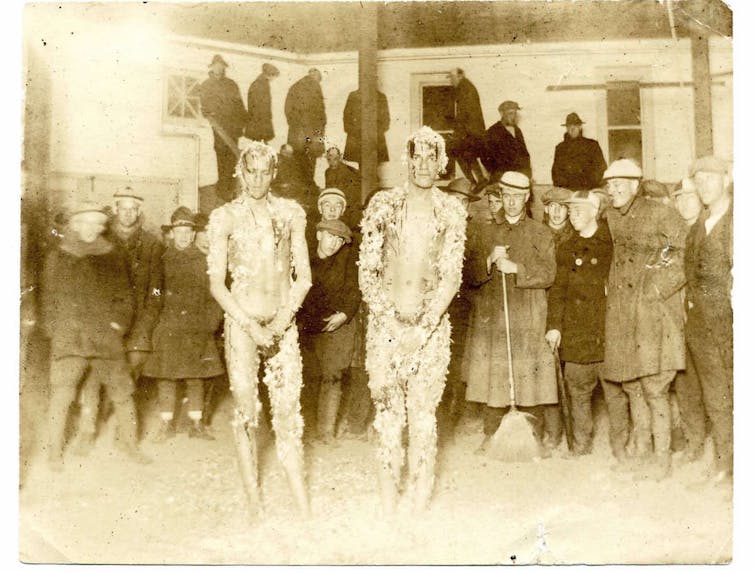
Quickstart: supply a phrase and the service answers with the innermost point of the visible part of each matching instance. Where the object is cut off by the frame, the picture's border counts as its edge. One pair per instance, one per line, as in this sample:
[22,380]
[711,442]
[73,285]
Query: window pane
[623,104]
[437,107]
[625,144]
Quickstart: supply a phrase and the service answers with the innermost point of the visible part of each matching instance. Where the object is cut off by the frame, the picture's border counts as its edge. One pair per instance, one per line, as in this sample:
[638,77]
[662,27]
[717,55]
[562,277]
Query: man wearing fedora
[184,338]
[224,109]
[519,250]
[644,338]
[579,163]
[505,148]
[259,103]
[86,310]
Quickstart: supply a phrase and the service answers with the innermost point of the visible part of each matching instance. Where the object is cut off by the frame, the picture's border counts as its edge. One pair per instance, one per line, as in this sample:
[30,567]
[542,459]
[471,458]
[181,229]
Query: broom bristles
[514,440]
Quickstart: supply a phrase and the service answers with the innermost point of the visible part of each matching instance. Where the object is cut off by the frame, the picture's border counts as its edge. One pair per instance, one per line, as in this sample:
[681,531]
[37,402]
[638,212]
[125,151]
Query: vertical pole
[368,89]
[700,73]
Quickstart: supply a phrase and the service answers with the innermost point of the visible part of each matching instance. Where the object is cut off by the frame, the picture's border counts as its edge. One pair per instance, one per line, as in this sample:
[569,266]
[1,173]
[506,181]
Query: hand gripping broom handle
[508,342]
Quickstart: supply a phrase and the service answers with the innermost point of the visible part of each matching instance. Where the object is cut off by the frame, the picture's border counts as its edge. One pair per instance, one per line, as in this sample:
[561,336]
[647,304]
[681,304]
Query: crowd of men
[626,284]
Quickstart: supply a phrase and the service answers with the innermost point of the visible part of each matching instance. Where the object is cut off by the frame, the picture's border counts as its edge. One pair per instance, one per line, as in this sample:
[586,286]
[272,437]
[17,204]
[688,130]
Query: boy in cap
[409,271]
[259,240]
[555,200]
[644,341]
[709,326]
[184,338]
[578,164]
[327,316]
[87,311]
[519,250]
[576,321]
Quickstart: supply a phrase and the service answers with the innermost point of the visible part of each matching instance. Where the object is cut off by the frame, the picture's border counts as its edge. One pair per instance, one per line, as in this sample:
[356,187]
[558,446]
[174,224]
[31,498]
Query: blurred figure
[259,102]
[305,112]
[352,127]
[348,179]
[579,163]
[467,142]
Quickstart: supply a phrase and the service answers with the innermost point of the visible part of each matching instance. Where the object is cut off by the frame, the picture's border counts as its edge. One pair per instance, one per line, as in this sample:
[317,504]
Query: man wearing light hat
[143,251]
[579,163]
[224,109]
[519,250]
[505,148]
[86,302]
[644,342]
[709,326]
[328,314]
[576,322]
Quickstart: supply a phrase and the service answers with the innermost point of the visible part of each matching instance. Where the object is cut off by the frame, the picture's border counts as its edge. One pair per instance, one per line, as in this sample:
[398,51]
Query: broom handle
[508,342]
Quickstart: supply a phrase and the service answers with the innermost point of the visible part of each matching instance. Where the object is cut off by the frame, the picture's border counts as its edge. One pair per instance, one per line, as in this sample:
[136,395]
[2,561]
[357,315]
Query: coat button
[594,261]
[579,262]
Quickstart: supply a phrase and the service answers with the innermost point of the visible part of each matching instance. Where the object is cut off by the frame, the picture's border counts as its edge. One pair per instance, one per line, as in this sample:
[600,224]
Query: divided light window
[183,102]
[624,121]
[438,111]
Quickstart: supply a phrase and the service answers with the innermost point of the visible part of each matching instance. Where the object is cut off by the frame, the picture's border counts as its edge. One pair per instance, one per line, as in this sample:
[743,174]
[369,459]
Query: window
[624,129]
[438,111]
[182,101]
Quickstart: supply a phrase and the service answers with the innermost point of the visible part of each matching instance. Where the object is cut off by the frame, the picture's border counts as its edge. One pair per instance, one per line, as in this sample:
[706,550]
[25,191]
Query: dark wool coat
[184,338]
[644,316]
[503,152]
[708,264]
[259,102]
[84,289]
[578,164]
[469,119]
[222,104]
[305,112]
[348,180]
[577,300]
[143,254]
[335,288]
[352,127]
[485,358]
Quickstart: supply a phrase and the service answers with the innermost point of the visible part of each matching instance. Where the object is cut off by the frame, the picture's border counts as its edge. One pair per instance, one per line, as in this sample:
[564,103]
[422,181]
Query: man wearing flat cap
[521,251]
[259,103]
[555,200]
[644,341]
[328,316]
[505,148]
[224,109]
[579,162]
[709,326]
[87,310]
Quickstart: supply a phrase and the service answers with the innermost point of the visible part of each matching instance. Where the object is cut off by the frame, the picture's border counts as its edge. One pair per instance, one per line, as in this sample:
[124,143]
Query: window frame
[167,118]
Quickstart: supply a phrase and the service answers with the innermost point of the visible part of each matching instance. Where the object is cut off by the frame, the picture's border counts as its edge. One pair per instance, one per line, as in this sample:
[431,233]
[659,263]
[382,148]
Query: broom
[514,440]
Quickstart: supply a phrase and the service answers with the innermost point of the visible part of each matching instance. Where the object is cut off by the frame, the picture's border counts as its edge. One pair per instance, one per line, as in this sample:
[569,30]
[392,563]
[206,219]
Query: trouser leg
[716,378]
[118,381]
[65,375]
[195,398]
[655,389]
[89,399]
[226,162]
[360,401]
[688,392]
[166,391]
[580,381]
[617,412]
[553,424]
[491,418]
[641,417]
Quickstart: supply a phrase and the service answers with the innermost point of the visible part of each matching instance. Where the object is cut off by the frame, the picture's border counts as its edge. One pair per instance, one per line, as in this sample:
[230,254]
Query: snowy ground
[188,507]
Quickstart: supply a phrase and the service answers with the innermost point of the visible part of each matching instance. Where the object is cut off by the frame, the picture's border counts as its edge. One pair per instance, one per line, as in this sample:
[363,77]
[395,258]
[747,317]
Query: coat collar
[500,218]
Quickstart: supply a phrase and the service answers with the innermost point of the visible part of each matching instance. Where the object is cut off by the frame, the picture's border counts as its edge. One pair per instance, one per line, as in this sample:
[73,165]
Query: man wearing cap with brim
[644,341]
[327,316]
[555,200]
[143,252]
[183,340]
[505,148]
[224,109]
[459,312]
[576,321]
[521,251]
[86,310]
[259,103]
[709,324]
[579,163]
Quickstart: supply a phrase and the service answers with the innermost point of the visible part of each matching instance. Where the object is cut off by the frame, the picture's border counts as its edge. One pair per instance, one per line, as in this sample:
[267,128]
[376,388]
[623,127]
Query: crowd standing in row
[623,289]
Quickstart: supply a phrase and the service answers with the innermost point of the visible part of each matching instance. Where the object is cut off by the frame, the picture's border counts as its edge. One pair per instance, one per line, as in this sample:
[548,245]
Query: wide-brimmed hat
[336,227]
[127,193]
[462,186]
[572,119]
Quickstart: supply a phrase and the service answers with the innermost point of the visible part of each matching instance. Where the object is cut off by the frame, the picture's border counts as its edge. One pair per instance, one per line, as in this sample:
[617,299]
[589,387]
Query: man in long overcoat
[223,107]
[521,250]
[709,328]
[352,127]
[259,103]
[644,341]
[305,112]
[505,147]
[467,143]
[579,163]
